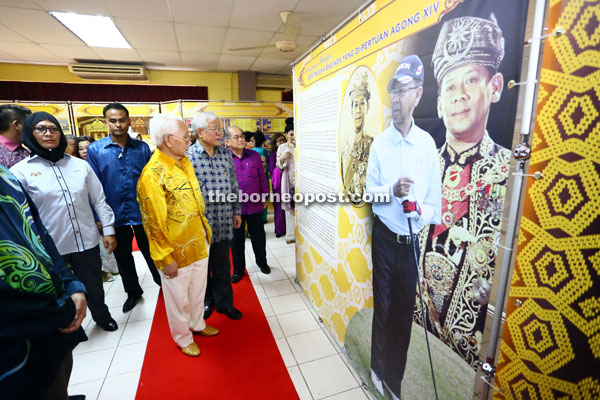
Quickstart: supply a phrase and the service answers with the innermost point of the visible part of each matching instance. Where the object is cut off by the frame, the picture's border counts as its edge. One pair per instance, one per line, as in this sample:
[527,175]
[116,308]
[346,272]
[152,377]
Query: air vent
[109,72]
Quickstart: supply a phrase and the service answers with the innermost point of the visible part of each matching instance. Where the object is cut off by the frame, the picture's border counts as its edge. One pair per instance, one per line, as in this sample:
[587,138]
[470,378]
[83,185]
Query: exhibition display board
[249,116]
[468,51]
[89,120]
[59,110]
[551,340]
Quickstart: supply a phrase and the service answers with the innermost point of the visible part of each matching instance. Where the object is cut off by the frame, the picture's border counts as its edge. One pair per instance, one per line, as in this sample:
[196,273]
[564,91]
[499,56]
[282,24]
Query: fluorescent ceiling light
[94,30]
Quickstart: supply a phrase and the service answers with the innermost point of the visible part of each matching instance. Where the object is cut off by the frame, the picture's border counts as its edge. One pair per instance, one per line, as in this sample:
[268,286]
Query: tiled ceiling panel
[37,26]
[171,34]
[146,35]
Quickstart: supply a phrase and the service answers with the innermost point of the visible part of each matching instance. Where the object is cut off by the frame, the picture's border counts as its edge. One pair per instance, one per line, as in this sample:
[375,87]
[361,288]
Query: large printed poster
[438,69]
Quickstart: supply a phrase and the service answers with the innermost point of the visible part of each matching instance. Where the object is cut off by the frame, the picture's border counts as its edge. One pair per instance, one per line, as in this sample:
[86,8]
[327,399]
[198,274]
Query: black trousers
[87,266]
[394,291]
[125,262]
[218,286]
[256,228]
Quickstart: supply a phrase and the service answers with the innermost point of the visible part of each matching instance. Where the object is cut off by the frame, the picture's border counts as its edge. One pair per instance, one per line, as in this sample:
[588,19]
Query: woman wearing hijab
[63,188]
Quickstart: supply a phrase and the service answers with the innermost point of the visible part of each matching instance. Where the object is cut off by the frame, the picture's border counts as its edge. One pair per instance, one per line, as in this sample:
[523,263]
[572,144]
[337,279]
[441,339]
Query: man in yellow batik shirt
[172,211]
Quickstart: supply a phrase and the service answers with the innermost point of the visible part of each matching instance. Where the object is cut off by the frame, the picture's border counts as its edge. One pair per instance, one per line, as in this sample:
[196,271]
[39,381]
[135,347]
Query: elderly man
[12,117]
[215,171]
[252,183]
[403,162]
[42,304]
[118,161]
[172,211]
[460,253]
[354,167]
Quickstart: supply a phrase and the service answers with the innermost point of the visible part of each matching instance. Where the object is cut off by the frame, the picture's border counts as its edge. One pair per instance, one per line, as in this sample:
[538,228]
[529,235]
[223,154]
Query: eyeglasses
[40,130]
[216,131]
[401,91]
[187,138]
[236,138]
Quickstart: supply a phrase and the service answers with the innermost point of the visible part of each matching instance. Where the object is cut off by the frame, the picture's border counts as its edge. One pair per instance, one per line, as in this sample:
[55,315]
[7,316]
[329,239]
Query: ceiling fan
[291,26]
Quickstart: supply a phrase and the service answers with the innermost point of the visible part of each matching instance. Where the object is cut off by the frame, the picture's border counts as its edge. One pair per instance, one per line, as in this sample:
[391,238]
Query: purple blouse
[251,179]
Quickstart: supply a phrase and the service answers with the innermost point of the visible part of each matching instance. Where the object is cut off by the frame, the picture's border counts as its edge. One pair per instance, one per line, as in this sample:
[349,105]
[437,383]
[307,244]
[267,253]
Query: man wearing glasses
[215,171]
[173,216]
[403,162]
[253,182]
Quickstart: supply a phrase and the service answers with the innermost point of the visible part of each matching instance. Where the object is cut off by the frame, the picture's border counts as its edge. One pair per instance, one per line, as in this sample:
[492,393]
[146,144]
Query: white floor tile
[118,315]
[99,339]
[136,332]
[283,252]
[297,322]
[260,291]
[90,389]
[354,394]
[287,261]
[266,306]
[299,383]
[115,299]
[121,387]
[276,274]
[290,272]
[143,310]
[128,359]
[286,353]
[287,303]
[327,376]
[276,243]
[275,328]
[91,366]
[278,288]
[310,346]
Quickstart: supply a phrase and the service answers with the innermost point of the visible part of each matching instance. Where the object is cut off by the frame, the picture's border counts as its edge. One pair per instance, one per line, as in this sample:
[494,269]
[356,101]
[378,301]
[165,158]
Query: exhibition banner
[551,339]
[399,76]
[58,110]
[89,119]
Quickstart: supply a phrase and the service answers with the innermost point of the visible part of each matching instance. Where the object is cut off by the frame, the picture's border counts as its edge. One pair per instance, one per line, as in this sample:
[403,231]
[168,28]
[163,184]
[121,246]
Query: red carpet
[242,362]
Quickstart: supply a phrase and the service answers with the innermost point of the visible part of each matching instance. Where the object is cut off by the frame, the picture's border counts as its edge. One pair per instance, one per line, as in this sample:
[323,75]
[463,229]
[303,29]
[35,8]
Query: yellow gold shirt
[172,211]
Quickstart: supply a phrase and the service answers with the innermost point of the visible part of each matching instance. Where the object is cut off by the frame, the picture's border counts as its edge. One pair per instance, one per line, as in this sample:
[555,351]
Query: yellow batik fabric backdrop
[551,340]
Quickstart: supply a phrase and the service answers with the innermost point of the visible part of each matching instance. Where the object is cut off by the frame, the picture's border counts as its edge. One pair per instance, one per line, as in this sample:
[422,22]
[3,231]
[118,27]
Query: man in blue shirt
[403,162]
[118,161]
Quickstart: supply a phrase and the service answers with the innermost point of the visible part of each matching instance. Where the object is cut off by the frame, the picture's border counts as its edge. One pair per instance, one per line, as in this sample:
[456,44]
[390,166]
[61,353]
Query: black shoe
[231,312]
[235,278]
[131,302]
[280,235]
[110,325]
[77,397]
[208,309]
[265,270]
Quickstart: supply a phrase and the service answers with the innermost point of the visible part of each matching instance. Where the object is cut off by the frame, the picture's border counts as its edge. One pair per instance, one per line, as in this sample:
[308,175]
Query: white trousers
[290,225]
[184,301]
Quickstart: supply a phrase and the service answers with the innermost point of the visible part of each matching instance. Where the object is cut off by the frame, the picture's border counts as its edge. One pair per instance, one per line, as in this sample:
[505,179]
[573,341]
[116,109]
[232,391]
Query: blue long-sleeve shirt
[119,170]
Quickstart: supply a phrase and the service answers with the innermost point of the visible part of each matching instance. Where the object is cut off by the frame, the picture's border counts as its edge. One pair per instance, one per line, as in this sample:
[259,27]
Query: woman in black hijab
[63,188]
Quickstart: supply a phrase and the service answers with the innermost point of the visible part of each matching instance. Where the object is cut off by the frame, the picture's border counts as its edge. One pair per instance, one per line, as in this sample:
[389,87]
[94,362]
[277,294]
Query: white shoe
[377,382]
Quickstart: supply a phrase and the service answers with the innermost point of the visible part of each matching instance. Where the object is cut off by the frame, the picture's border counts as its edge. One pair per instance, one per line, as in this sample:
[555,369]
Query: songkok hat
[411,67]
[467,40]
[361,86]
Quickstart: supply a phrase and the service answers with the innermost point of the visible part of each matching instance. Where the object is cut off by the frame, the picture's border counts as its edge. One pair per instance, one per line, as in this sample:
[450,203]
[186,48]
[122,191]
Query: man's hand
[237,221]
[402,186]
[80,308]
[171,270]
[411,209]
[110,243]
